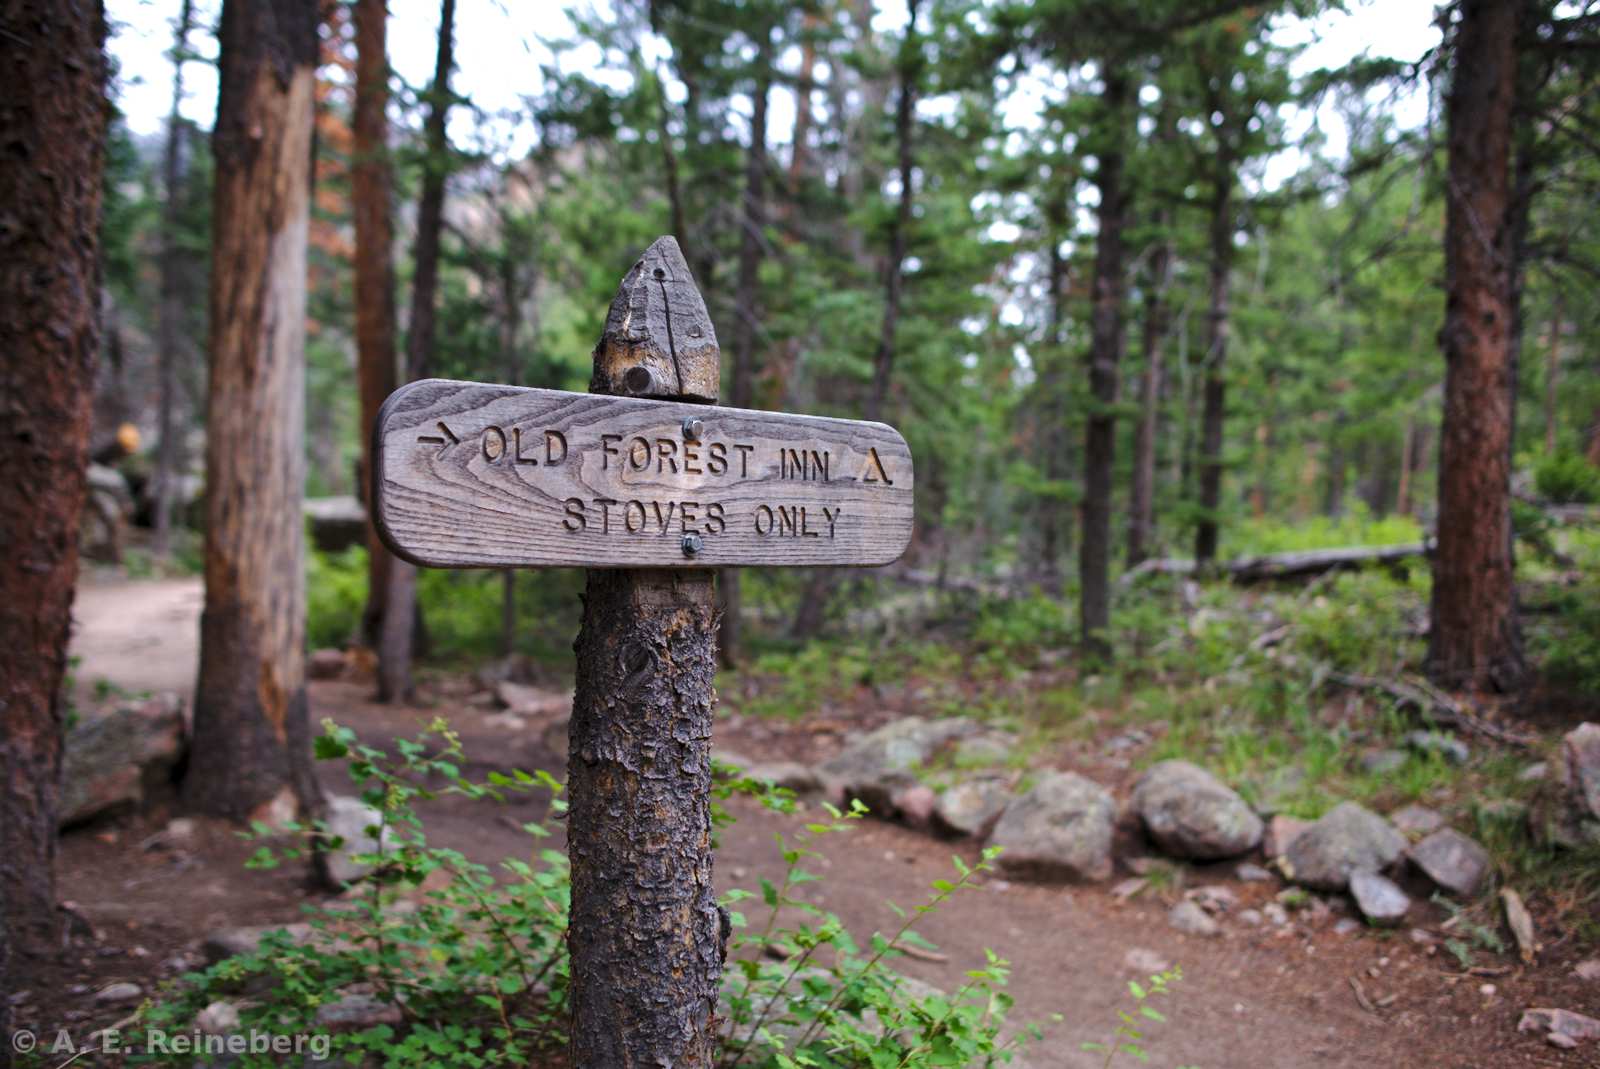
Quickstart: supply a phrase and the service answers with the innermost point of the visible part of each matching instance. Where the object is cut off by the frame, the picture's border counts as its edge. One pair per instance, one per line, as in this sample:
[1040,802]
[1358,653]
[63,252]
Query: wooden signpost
[649,486]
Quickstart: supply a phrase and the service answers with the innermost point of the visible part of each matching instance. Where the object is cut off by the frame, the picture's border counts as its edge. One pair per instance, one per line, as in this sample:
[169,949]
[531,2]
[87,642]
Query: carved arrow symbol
[434,439]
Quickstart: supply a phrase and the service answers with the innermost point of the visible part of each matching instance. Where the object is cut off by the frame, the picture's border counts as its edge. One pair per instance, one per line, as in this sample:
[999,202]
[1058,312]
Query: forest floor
[1300,995]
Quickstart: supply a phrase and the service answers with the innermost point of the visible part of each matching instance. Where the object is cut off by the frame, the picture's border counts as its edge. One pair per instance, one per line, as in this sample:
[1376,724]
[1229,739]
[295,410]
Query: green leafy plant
[1128,1036]
[1567,478]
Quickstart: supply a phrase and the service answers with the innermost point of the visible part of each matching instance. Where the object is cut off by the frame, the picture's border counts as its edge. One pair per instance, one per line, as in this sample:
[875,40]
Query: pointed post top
[658,339]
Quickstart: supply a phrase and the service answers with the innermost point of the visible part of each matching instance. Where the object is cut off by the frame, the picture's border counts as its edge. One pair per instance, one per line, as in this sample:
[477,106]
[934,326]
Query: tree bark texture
[375,306]
[250,721]
[1475,641]
[1052,413]
[1214,415]
[647,938]
[430,204]
[53,116]
[1105,352]
[746,302]
[170,314]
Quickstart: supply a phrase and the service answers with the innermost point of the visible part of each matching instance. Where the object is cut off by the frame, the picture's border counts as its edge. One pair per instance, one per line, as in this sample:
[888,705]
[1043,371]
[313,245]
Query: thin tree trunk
[1214,417]
[370,179]
[509,278]
[251,741]
[647,939]
[746,310]
[1052,413]
[1552,376]
[397,646]
[1105,353]
[1402,497]
[53,115]
[1475,641]
[1141,495]
[169,329]
[819,587]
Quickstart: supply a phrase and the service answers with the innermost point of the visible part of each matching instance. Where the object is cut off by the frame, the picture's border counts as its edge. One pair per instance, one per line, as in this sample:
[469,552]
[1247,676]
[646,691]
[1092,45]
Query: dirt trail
[1262,998]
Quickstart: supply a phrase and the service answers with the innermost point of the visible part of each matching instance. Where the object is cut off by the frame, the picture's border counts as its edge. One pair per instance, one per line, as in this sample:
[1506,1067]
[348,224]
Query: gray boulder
[114,761]
[1189,813]
[1378,898]
[1576,817]
[878,766]
[245,939]
[1348,839]
[1059,830]
[1453,861]
[971,808]
[1188,918]
[349,818]
[1416,820]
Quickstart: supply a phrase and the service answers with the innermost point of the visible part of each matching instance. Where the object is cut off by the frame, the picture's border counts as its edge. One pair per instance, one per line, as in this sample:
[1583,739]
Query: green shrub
[478,973]
[1567,478]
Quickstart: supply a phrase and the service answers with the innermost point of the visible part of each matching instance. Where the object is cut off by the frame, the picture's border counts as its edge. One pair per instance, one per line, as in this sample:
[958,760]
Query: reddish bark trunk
[250,723]
[172,304]
[1475,641]
[52,123]
[1214,417]
[375,331]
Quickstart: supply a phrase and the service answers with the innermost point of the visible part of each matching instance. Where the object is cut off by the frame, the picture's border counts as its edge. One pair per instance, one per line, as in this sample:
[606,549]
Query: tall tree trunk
[250,723]
[509,277]
[53,116]
[647,938]
[746,311]
[1052,412]
[1214,416]
[1408,451]
[170,315]
[1476,641]
[1105,353]
[396,646]
[376,370]
[1141,495]
[819,587]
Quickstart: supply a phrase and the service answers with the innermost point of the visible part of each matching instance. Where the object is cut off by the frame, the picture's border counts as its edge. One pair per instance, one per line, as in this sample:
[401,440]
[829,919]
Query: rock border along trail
[1316,990]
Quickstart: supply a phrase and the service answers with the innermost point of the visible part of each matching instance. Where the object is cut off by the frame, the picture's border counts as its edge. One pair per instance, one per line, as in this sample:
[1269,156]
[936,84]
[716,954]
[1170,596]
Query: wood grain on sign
[470,475]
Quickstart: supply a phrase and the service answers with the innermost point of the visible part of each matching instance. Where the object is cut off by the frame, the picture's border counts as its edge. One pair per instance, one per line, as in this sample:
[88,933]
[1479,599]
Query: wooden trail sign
[470,475]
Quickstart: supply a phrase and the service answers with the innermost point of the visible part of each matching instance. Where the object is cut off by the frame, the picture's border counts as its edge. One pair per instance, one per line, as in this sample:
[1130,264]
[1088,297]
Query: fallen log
[1272,566]
[1433,705]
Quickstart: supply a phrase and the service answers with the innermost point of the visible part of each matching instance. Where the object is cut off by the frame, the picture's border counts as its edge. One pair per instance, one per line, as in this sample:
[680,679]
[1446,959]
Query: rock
[217,1019]
[337,523]
[971,808]
[1059,830]
[1507,811]
[789,774]
[1276,912]
[984,751]
[1416,820]
[1379,899]
[915,804]
[1126,889]
[1281,831]
[1537,772]
[1453,861]
[1191,814]
[246,939]
[1250,872]
[1587,970]
[1346,926]
[1145,962]
[1441,743]
[1577,816]
[349,818]
[554,737]
[1383,762]
[1188,918]
[1561,1041]
[1520,921]
[325,664]
[506,721]
[1574,1026]
[878,765]
[1214,899]
[355,1012]
[1347,839]
[114,761]
[1251,918]
[120,992]
[531,701]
